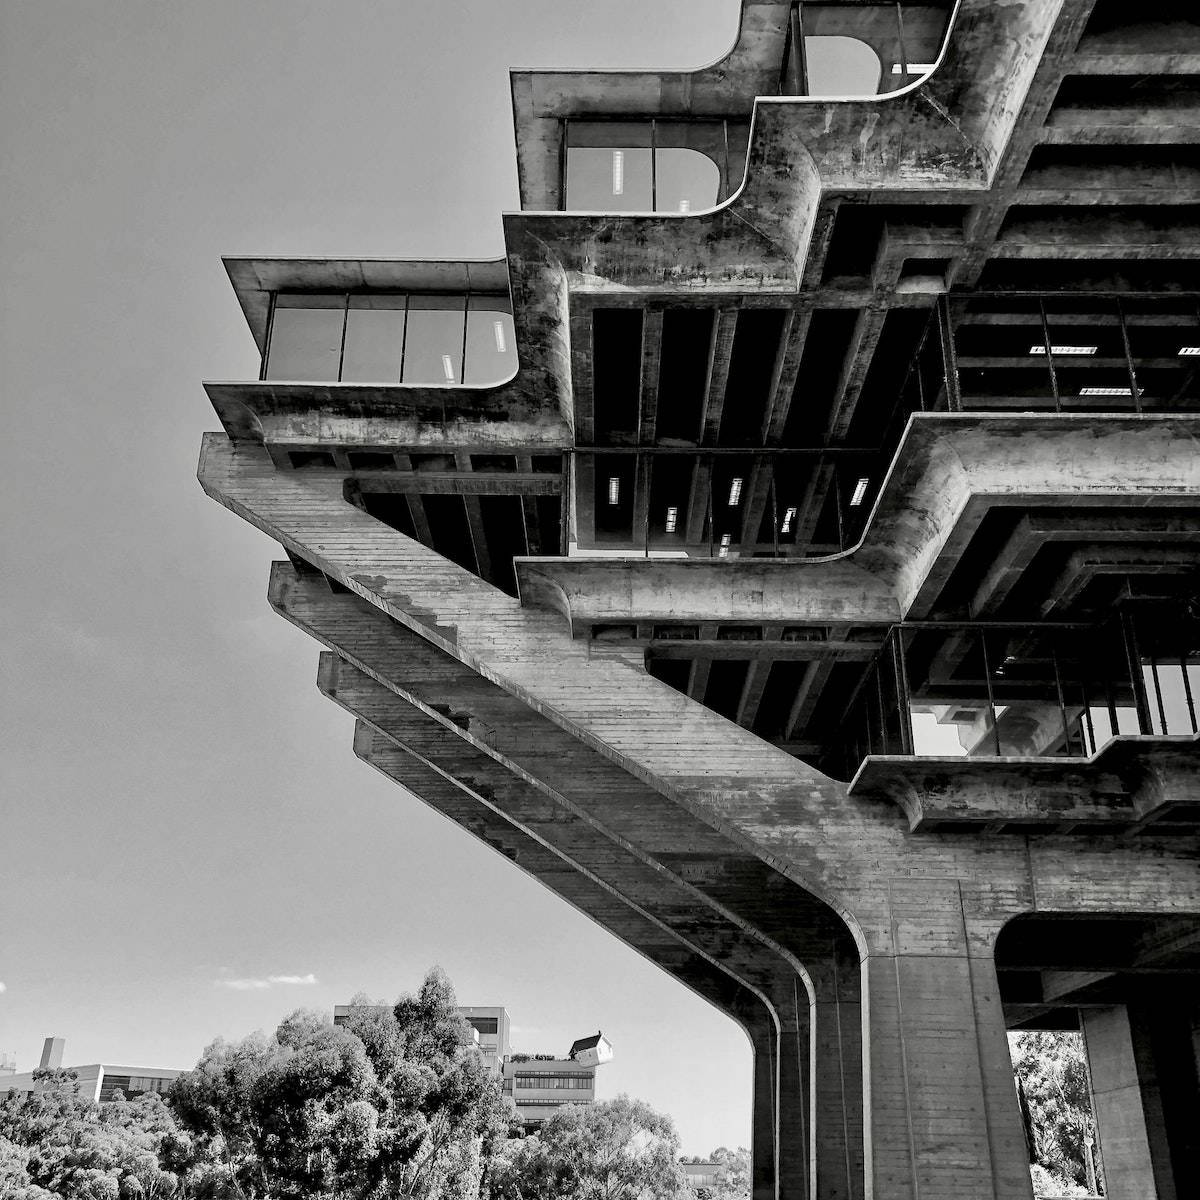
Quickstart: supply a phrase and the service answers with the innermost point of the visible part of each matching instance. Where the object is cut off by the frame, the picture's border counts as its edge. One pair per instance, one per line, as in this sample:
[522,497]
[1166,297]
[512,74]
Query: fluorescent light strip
[1189,351]
[735,490]
[726,538]
[685,206]
[860,490]
[788,517]
[618,168]
[1064,351]
[614,489]
[498,334]
[1107,391]
[447,368]
[913,68]
[672,518]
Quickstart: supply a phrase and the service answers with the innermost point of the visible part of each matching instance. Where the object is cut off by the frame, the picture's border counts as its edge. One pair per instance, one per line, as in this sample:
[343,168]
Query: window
[555,1082]
[485,1024]
[650,166]
[390,337]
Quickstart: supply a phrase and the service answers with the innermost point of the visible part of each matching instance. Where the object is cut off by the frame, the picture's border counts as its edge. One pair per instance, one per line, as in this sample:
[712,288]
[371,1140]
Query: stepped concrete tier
[789,553]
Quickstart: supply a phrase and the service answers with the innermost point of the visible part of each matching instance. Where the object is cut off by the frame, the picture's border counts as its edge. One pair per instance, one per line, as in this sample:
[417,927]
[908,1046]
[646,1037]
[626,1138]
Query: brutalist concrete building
[788,554]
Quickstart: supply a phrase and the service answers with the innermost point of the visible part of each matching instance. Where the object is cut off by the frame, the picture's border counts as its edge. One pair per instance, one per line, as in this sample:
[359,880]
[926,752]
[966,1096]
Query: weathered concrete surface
[758,801]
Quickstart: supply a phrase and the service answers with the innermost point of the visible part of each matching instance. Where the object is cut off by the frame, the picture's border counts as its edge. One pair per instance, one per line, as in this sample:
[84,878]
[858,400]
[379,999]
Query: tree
[616,1150]
[733,1173]
[1052,1072]
[396,1103]
[55,1143]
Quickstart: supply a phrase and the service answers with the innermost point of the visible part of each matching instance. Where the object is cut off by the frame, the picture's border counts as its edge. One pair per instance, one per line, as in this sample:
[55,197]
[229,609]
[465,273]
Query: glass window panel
[306,337]
[844,66]
[686,179]
[608,179]
[374,337]
[433,344]
[491,344]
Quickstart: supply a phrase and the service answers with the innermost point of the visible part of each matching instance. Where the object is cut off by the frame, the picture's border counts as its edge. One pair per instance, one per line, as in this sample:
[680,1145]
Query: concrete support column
[838,1098]
[795,1090]
[943,1117]
[1142,1060]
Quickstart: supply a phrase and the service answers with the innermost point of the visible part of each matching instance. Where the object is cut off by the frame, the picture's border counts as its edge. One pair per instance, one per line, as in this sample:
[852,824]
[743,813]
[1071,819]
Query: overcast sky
[182,816]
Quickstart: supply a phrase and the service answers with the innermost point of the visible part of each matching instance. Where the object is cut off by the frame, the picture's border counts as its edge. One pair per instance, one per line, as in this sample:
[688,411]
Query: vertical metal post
[1187,688]
[564,130]
[1050,356]
[883,729]
[342,345]
[712,515]
[837,501]
[404,336]
[462,373]
[900,42]
[1162,712]
[905,696]
[1062,703]
[987,679]
[267,334]
[653,165]
[649,460]
[798,47]
[725,158]
[1133,383]
[1134,659]
[949,355]
[1087,721]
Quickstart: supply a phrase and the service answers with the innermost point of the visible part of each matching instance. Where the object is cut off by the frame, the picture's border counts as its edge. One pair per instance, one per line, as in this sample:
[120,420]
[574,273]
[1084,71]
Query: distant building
[492,1030]
[539,1084]
[96,1081]
[701,1174]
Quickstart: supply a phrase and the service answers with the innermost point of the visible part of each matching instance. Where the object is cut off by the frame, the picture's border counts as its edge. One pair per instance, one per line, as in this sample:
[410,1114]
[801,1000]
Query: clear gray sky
[180,810]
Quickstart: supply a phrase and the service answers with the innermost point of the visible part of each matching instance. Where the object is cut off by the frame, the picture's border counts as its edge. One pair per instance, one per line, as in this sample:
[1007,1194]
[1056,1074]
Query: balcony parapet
[1135,782]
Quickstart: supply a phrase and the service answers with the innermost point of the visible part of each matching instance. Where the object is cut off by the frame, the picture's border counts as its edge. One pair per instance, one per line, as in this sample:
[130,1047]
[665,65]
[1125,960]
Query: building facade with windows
[788,553]
[95,1081]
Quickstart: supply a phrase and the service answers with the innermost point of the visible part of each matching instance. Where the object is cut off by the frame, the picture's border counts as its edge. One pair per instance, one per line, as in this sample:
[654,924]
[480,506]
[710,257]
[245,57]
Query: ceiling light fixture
[618,169]
[447,368]
[614,489]
[1107,391]
[672,518]
[913,68]
[735,490]
[685,206]
[1189,351]
[789,516]
[860,490]
[1064,351]
[726,538]
[498,334]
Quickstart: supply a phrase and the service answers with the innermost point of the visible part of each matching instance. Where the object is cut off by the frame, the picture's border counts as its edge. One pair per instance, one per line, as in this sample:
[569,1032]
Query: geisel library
[787,552]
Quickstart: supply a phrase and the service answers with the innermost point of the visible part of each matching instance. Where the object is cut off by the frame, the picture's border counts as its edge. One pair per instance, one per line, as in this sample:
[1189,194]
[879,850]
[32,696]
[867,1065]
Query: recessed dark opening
[493,462]
[683,376]
[616,372]
[449,530]
[372,460]
[504,531]
[751,366]
[311,458]
[725,682]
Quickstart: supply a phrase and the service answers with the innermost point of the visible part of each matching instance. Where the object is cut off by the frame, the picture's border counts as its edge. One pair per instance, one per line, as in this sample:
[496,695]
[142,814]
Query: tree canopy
[615,1150]
[1051,1070]
[396,1103]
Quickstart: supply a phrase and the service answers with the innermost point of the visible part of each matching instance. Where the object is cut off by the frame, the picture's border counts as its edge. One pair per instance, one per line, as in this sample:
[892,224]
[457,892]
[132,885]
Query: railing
[978,689]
